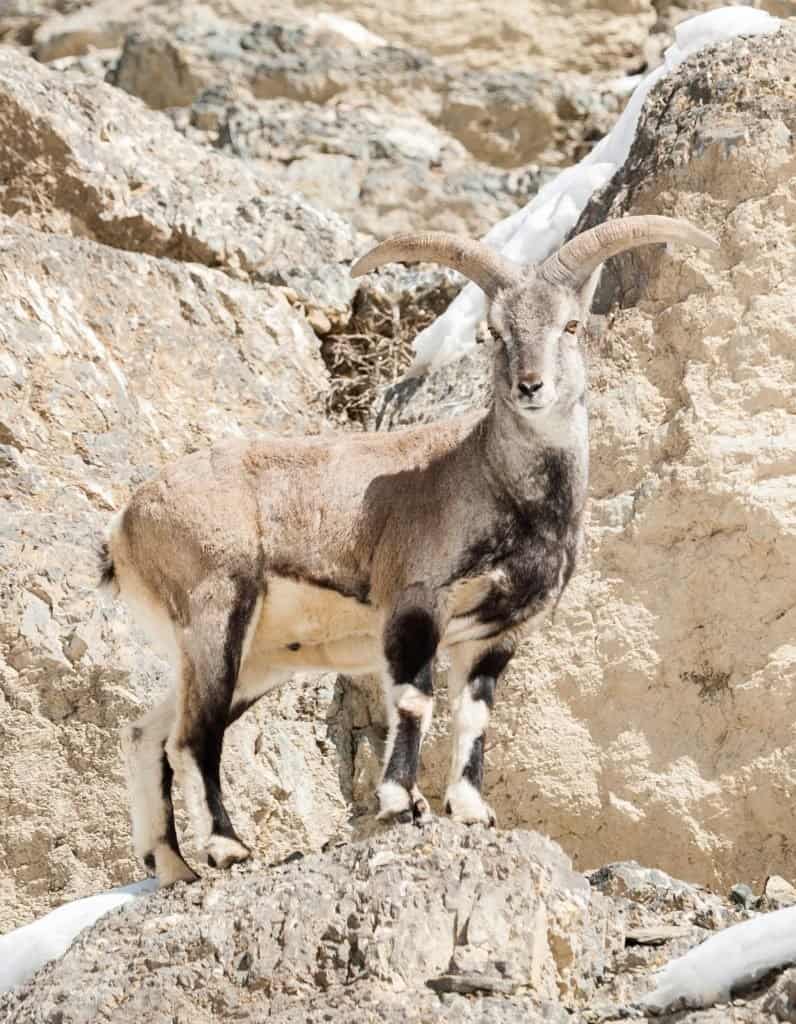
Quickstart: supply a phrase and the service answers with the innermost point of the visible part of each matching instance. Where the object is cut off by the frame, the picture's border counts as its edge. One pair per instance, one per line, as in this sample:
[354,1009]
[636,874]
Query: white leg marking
[462,800]
[393,800]
[171,868]
[467,805]
[414,702]
[142,744]
[190,781]
[470,720]
[223,852]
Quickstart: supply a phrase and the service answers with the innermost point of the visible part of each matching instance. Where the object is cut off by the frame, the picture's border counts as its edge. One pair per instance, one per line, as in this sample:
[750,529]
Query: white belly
[302,626]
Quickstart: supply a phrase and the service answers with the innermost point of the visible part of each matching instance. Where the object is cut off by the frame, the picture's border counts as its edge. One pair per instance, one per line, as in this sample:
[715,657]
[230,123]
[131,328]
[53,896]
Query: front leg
[475,669]
[410,643]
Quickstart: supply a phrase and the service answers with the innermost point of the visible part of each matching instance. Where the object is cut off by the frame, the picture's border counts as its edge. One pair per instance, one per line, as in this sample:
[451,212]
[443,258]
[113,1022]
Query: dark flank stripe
[207,744]
[359,591]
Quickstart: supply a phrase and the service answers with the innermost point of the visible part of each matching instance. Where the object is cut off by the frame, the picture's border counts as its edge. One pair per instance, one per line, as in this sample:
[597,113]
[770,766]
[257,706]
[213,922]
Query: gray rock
[383,169]
[507,118]
[88,160]
[743,895]
[780,1001]
[409,925]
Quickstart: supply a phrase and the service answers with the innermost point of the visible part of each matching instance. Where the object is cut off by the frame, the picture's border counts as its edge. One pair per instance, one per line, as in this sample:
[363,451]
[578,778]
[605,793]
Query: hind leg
[149,780]
[211,646]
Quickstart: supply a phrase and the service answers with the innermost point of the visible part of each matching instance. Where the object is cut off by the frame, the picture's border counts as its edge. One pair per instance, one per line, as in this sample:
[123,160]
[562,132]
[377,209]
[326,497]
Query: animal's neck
[522,453]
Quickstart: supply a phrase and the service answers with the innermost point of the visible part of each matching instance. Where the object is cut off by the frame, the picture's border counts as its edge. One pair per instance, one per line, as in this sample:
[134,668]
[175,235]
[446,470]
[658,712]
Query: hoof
[463,803]
[398,805]
[170,868]
[223,852]
[421,812]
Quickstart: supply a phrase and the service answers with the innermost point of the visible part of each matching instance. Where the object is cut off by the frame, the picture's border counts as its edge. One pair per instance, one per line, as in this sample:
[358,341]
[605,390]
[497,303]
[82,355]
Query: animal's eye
[571,327]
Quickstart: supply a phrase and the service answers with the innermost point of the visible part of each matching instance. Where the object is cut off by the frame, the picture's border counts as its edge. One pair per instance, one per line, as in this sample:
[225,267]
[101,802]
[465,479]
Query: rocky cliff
[181,193]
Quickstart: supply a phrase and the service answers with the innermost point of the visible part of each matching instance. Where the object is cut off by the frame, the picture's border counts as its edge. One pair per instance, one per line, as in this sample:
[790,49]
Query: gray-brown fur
[373,551]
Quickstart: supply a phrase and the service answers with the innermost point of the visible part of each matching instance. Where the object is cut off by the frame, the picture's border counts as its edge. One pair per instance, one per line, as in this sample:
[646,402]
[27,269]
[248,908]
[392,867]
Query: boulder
[506,118]
[85,159]
[384,170]
[406,925]
[439,923]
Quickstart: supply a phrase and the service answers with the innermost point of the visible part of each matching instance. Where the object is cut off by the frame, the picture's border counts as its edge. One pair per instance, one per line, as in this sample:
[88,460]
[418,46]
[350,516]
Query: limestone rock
[779,892]
[442,923]
[386,917]
[88,160]
[653,718]
[384,170]
[110,364]
[506,118]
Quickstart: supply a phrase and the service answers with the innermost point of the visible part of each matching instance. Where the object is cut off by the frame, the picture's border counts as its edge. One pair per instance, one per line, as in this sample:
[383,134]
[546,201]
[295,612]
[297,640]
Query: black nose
[530,387]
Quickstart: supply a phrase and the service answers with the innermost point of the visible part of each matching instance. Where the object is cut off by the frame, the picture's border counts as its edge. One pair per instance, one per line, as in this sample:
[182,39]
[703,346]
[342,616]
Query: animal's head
[537,312]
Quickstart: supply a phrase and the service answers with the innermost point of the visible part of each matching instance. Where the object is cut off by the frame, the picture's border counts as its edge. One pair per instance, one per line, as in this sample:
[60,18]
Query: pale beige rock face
[655,718]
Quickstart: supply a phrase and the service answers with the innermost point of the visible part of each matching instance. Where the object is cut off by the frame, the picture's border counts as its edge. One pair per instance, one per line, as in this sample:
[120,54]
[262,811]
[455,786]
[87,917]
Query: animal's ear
[588,288]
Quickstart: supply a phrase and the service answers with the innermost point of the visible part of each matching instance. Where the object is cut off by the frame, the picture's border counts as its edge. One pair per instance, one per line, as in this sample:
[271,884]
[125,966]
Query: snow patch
[25,950]
[531,234]
[736,957]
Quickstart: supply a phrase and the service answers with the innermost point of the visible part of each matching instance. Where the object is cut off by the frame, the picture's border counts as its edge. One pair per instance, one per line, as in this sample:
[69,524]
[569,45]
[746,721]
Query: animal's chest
[513,579]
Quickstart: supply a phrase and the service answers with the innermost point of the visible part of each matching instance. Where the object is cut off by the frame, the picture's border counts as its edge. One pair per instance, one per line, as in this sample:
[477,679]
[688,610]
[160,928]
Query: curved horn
[578,258]
[477,261]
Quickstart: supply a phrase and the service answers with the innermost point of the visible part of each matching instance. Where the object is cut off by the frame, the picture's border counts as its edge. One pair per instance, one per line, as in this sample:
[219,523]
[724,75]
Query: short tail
[107,568]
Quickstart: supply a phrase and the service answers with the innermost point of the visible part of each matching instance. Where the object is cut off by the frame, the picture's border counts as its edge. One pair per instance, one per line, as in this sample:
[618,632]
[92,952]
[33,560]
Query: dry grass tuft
[375,348]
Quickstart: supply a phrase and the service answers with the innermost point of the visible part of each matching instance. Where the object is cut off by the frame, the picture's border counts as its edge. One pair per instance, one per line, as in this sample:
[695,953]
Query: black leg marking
[410,644]
[166,782]
[492,663]
[483,688]
[107,568]
[424,680]
[402,766]
[474,769]
[207,739]
[207,751]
